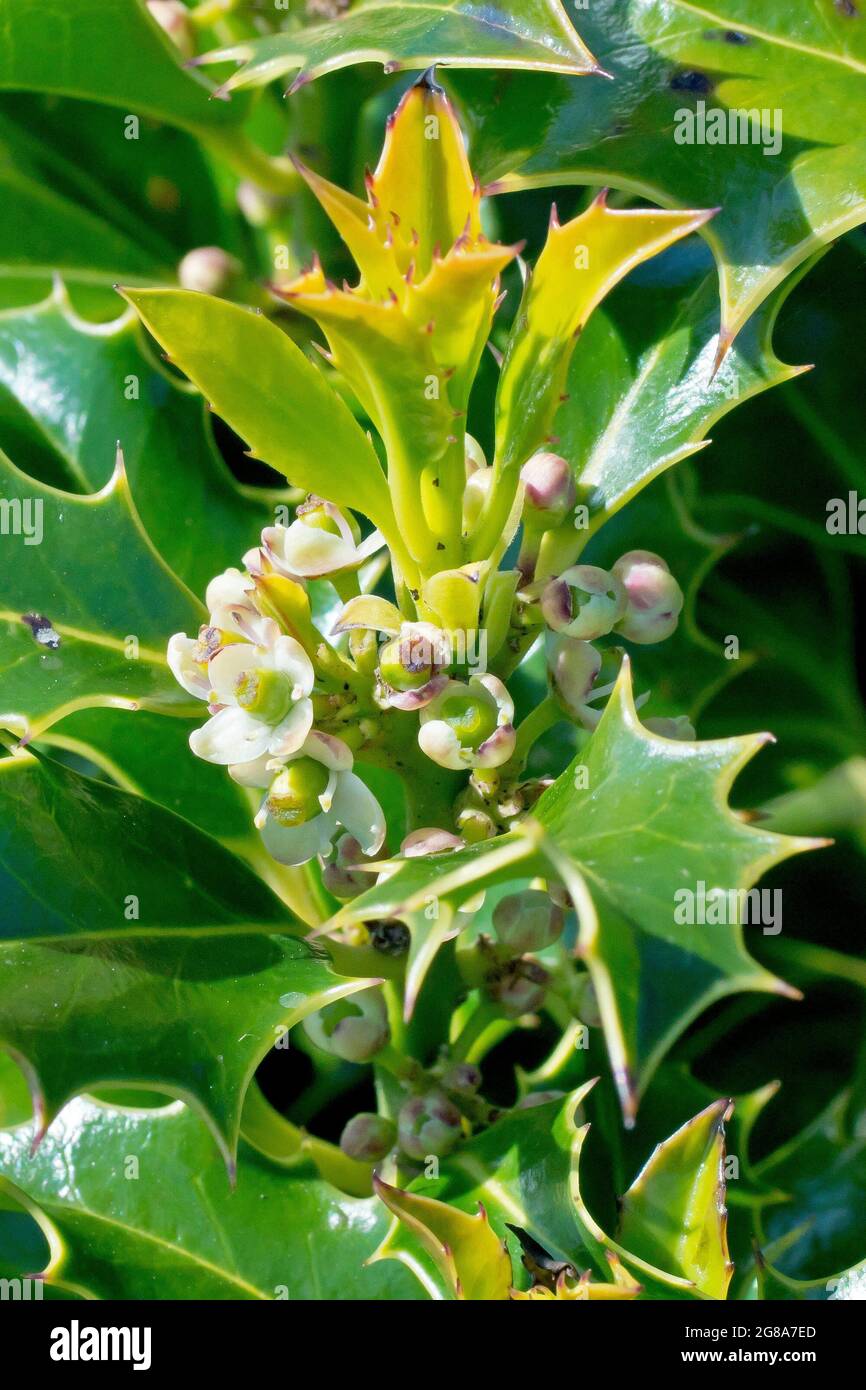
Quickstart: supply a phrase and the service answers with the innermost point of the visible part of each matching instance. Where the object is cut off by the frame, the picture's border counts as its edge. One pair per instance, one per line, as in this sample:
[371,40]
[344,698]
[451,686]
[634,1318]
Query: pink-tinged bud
[368,1137]
[354,1028]
[549,486]
[429,840]
[463,1078]
[654,598]
[527,921]
[209,270]
[680,728]
[474,456]
[340,876]
[429,1125]
[583,602]
[573,667]
[173,18]
[520,988]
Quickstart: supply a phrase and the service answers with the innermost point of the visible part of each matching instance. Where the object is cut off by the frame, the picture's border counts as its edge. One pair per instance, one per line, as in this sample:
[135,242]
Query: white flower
[231,603]
[469,725]
[321,541]
[261,694]
[310,794]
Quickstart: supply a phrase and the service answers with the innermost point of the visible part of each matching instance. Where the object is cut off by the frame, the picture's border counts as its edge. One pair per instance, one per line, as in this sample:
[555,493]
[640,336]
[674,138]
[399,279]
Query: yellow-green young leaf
[369,611]
[580,264]
[262,385]
[674,1213]
[640,830]
[524,34]
[86,606]
[471,1261]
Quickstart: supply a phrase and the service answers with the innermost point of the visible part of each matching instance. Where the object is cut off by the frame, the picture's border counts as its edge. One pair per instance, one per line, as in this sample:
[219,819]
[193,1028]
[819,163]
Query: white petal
[439,741]
[289,736]
[187,672]
[370,545]
[229,663]
[504,703]
[326,749]
[257,773]
[232,736]
[288,656]
[496,749]
[306,550]
[297,844]
[357,809]
[231,587]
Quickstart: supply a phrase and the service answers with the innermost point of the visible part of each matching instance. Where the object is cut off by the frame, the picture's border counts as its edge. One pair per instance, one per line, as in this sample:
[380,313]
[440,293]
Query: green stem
[477,1023]
[273,173]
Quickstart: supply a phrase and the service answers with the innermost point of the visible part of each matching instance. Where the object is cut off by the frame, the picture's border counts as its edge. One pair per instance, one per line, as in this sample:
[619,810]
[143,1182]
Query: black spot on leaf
[691,81]
[42,629]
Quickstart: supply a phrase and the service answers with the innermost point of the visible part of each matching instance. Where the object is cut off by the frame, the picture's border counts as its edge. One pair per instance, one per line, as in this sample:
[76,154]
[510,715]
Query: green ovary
[472,720]
[294,795]
[265,694]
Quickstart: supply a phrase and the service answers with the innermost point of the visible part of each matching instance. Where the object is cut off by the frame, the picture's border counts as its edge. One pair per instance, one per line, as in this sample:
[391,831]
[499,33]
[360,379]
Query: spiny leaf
[139,1207]
[78,387]
[167,964]
[472,1262]
[634,822]
[527,33]
[71,639]
[263,386]
[671,59]
[674,1213]
[580,264]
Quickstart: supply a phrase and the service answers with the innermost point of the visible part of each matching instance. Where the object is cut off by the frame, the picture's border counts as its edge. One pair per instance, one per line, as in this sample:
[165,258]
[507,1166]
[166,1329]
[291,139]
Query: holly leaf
[71,389]
[70,639]
[653,405]
[109,51]
[171,966]
[140,1208]
[534,34]
[471,1261]
[674,1213]
[272,396]
[637,824]
[781,197]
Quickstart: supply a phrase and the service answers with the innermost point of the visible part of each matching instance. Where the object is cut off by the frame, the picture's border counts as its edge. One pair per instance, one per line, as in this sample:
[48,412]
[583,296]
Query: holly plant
[383,915]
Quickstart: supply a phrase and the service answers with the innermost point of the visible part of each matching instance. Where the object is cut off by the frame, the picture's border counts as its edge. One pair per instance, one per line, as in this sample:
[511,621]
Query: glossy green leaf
[666,56]
[273,397]
[623,426]
[165,964]
[109,51]
[72,389]
[661,828]
[140,1207]
[674,1213]
[108,642]
[579,265]
[533,34]
[472,1262]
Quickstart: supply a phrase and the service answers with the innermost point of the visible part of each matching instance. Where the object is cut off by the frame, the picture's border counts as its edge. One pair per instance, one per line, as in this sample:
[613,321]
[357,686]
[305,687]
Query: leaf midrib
[755,32]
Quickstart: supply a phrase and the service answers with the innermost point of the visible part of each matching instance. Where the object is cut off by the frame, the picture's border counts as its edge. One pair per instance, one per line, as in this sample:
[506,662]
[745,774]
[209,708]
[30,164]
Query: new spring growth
[527,921]
[429,1124]
[654,598]
[368,1137]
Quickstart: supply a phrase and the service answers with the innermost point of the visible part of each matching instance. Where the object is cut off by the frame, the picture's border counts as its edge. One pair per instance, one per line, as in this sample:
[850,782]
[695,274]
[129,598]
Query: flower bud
[680,728]
[585,601]
[463,1078]
[429,840]
[520,988]
[573,667]
[654,598]
[339,876]
[478,485]
[475,825]
[173,18]
[474,456]
[429,1125]
[527,921]
[368,1137]
[549,487]
[209,270]
[354,1028]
